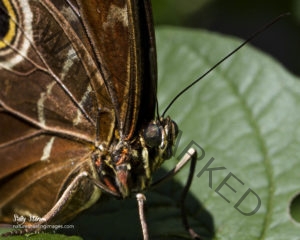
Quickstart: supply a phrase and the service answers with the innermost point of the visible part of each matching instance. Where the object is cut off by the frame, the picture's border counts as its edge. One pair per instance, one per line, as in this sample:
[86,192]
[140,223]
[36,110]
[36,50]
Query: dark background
[241,19]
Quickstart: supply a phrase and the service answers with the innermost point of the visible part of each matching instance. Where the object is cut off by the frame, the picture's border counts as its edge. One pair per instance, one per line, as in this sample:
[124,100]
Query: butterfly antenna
[249,39]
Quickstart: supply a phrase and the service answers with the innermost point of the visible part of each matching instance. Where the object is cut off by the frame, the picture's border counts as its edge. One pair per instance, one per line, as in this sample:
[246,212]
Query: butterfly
[77,106]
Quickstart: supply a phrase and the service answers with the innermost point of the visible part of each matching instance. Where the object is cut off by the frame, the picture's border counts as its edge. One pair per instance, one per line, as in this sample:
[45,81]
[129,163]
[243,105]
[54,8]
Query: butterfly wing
[124,47]
[59,76]
[48,106]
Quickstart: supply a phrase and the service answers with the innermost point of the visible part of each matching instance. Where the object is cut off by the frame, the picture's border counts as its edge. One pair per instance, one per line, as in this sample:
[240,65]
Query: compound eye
[152,135]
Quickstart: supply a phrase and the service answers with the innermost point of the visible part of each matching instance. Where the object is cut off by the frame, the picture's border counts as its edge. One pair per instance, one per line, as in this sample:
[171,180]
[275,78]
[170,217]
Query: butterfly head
[159,137]
[128,165]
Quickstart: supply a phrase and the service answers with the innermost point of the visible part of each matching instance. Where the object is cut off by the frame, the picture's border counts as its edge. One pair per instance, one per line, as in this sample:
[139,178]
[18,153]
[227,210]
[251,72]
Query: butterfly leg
[190,156]
[185,191]
[141,199]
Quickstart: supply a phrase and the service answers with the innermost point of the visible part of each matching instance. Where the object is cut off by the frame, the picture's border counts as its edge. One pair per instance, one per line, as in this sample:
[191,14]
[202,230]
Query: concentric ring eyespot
[8,19]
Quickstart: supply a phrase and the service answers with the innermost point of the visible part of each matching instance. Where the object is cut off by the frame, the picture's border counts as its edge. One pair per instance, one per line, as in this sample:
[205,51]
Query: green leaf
[244,115]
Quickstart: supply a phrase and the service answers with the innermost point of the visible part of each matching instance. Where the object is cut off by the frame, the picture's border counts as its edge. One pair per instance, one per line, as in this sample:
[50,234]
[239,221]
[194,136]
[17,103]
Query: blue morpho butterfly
[77,107]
